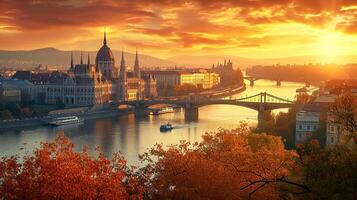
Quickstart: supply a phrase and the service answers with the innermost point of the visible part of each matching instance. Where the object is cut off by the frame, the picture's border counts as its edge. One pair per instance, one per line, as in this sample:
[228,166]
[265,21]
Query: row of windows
[307,127]
[333,128]
[69,90]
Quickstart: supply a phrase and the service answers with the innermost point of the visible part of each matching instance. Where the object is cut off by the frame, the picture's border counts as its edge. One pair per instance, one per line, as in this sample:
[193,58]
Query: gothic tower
[122,79]
[72,65]
[136,66]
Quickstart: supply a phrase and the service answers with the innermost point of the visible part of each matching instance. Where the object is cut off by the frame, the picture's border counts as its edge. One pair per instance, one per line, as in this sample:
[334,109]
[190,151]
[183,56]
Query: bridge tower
[261,112]
[251,82]
[262,109]
[191,108]
[278,82]
[141,111]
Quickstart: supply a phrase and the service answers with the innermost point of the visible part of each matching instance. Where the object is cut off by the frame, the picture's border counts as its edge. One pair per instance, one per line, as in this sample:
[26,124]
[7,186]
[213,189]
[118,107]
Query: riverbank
[33,122]
[100,113]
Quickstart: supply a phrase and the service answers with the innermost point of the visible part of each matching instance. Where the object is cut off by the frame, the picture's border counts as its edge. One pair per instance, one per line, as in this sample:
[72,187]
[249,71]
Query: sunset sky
[247,28]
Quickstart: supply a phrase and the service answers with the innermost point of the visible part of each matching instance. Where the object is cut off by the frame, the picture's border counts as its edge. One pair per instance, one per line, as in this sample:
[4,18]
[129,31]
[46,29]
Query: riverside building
[88,84]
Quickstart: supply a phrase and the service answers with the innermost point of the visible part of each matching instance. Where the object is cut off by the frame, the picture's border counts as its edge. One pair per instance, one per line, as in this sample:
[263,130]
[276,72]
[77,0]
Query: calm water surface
[132,136]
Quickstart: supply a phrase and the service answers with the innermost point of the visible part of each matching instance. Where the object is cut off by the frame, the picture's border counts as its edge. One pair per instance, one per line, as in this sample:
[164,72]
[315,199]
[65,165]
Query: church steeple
[136,65]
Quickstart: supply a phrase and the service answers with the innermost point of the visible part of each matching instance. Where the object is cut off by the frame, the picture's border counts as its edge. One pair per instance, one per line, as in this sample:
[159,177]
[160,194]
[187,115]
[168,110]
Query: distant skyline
[247,28]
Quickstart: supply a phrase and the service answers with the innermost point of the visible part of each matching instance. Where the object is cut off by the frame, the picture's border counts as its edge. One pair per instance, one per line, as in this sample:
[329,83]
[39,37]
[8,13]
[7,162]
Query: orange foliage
[56,171]
[225,165]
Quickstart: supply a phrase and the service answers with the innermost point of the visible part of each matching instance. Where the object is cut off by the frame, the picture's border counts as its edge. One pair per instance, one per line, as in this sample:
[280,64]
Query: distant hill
[61,59]
[241,62]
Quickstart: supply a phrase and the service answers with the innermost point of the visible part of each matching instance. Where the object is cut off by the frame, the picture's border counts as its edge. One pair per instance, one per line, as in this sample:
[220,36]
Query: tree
[344,111]
[268,123]
[225,165]
[330,173]
[186,89]
[285,127]
[56,171]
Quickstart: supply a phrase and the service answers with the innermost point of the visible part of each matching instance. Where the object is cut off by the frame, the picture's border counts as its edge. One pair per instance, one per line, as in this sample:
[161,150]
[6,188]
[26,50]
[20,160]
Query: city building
[150,86]
[88,84]
[307,121]
[13,90]
[171,78]
[9,93]
[335,132]
[228,75]
[220,68]
[205,80]
[167,78]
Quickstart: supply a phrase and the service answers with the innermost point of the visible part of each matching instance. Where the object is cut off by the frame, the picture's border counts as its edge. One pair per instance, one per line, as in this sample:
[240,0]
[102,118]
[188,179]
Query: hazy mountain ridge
[247,62]
[59,58]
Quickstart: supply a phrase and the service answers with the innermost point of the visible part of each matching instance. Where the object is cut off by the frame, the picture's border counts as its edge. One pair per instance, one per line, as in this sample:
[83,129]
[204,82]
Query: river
[132,136]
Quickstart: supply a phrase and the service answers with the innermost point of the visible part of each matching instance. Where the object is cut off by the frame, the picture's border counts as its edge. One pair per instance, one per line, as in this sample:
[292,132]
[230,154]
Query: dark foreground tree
[330,173]
[344,111]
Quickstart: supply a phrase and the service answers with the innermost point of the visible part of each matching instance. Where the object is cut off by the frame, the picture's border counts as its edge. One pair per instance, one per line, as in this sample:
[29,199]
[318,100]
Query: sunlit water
[132,136]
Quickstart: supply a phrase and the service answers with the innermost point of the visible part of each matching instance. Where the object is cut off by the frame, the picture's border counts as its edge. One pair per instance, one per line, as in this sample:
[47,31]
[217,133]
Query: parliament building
[89,84]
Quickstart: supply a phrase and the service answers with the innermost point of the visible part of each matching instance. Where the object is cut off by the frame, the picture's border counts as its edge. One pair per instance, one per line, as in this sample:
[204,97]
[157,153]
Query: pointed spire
[136,55]
[122,54]
[72,66]
[81,58]
[136,65]
[105,37]
[88,63]
[122,72]
[88,59]
[123,78]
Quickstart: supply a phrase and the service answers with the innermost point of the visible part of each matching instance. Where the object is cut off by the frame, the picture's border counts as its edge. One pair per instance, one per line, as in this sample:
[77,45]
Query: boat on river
[303,89]
[162,111]
[59,121]
[166,127]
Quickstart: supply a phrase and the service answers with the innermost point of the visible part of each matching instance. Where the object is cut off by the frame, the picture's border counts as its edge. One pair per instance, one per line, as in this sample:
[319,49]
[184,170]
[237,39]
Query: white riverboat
[65,120]
[162,111]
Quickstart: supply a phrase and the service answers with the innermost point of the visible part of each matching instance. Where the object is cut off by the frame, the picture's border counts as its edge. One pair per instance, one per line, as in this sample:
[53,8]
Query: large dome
[104,54]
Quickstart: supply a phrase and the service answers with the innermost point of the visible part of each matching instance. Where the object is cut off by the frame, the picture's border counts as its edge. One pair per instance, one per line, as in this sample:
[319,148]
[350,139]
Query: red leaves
[56,171]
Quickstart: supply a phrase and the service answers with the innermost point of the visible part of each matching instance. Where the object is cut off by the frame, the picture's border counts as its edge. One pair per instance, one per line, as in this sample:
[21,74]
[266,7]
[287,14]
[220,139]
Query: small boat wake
[168,127]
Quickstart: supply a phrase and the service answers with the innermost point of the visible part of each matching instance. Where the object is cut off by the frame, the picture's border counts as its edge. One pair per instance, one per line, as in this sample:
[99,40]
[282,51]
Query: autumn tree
[186,89]
[232,164]
[344,111]
[56,171]
[330,173]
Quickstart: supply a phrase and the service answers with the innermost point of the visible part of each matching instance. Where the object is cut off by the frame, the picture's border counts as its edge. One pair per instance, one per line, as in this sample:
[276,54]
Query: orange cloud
[229,26]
